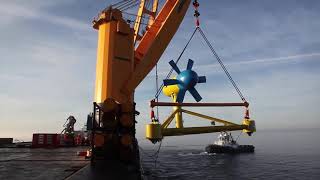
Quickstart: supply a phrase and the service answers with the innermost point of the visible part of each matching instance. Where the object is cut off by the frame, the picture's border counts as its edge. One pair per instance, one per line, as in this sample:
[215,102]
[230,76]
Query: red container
[42,140]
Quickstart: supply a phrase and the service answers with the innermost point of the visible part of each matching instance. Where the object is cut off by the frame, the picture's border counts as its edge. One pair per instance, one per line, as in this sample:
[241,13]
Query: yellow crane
[124,58]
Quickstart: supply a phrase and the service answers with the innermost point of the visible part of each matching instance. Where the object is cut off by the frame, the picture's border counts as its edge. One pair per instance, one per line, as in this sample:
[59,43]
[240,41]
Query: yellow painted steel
[154,12]
[140,15]
[226,123]
[167,122]
[247,125]
[200,130]
[153,131]
[114,57]
[178,117]
[137,23]
[103,70]
[172,91]
[251,126]
[120,68]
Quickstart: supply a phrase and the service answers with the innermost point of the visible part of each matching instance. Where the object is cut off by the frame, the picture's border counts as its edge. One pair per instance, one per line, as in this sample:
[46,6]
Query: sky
[271,48]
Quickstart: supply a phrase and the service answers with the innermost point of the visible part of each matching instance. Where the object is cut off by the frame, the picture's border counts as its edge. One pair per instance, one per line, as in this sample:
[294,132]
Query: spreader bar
[154,104]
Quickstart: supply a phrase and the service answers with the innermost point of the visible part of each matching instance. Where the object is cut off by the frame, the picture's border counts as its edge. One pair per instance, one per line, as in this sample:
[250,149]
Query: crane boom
[140,15]
[155,40]
[137,23]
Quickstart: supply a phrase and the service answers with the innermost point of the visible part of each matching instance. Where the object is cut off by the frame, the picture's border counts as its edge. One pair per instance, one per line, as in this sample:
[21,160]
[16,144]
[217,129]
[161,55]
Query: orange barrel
[126,120]
[110,105]
[98,140]
[126,140]
[127,107]
[109,120]
[101,139]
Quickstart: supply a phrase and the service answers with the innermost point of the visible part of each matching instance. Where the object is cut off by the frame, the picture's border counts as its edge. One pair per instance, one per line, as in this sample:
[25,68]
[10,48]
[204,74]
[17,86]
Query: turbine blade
[190,64]
[195,94]
[168,82]
[202,79]
[181,94]
[174,66]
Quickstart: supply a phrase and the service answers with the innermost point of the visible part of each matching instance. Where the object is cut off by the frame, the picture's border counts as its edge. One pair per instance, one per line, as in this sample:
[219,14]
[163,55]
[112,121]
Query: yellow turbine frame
[156,131]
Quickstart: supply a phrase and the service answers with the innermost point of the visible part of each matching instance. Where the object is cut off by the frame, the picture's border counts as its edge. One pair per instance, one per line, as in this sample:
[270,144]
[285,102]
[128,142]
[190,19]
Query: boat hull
[213,148]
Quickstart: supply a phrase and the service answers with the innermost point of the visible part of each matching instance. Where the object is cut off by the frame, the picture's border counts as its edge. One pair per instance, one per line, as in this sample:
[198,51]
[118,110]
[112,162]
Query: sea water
[279,154]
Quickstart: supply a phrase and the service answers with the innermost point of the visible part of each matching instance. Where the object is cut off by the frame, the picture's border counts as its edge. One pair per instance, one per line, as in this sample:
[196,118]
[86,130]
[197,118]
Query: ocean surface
[286,154]
[280,154]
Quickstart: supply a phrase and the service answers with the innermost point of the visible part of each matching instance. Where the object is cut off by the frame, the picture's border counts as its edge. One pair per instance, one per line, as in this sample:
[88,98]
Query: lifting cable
[153,156]
[125,4]
[156,154]
[216,56]
[222,65]
[157,87]
[238,136]
[196,15]
[178,59]
[119,3]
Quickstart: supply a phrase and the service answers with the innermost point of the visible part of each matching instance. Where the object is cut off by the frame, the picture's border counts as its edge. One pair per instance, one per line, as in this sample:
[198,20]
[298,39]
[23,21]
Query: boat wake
[196,154]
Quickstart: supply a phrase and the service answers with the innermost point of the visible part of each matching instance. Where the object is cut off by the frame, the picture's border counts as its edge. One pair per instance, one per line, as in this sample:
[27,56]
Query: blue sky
[271,48]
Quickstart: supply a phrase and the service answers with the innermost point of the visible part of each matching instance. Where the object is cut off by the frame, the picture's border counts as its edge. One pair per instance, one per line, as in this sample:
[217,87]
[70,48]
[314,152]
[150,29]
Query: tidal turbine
[186,81]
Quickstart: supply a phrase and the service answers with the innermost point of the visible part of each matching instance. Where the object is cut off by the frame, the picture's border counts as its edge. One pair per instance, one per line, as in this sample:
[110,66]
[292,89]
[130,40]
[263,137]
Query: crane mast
[120,68]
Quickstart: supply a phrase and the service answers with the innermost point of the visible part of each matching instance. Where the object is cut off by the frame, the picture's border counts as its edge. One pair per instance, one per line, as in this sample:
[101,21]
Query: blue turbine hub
[186,81]
[188,78]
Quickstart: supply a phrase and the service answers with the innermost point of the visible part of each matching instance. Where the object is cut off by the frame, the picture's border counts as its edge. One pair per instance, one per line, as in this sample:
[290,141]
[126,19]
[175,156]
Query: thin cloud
[15,11]
[275,60]
[297,57]
[285,59]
